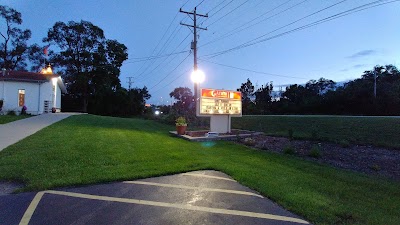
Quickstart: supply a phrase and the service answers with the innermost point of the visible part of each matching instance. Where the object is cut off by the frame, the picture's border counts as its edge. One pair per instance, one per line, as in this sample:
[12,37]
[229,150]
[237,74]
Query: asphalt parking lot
[200,197]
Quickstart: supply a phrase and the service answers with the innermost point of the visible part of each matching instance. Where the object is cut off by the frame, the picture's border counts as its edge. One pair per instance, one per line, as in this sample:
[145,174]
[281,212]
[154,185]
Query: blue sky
[340,49]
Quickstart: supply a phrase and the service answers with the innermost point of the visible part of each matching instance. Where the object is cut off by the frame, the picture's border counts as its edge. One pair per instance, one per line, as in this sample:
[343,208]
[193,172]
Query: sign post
[220,105]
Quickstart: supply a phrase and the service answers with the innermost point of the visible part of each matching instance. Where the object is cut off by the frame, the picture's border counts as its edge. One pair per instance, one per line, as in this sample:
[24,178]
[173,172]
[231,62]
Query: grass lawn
[6,118]
[378,131]
[89,149]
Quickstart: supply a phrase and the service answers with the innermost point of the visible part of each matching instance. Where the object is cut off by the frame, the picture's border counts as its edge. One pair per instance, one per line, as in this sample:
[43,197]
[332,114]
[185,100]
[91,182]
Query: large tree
[247,90]
[263,98]
[14,50]
[89,62]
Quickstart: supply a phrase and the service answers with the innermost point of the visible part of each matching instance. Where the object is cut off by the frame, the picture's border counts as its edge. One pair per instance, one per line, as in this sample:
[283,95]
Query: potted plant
[181,125]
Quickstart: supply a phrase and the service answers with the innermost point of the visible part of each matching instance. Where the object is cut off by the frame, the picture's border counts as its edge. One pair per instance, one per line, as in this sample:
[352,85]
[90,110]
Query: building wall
[35,96]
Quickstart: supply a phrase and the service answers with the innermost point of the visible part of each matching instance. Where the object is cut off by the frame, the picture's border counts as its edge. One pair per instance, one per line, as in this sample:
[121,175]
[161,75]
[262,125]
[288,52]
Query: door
[21,97]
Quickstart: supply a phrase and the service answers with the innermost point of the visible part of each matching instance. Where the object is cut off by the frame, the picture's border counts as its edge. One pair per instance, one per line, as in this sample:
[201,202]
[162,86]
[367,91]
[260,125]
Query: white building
[39,92]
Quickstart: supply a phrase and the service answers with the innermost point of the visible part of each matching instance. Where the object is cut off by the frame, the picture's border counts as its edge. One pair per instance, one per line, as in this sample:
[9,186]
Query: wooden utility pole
[194,43]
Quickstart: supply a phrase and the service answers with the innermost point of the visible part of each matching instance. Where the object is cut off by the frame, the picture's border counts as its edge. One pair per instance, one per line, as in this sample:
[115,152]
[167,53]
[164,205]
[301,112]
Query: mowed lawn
[7,118]
[378,131]
[89,149]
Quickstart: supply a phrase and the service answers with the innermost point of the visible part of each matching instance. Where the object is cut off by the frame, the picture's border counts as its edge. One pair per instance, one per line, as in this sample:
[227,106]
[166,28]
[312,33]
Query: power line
[253,71]
[209,11]
[230,33]
[222,8]
[147,58]
[166,59]
[198,4]
[179,76]
[170,72]
[228,13]
[344,13]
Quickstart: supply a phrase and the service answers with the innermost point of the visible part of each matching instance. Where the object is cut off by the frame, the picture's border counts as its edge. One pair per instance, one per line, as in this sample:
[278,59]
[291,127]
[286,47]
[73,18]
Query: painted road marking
[30,210]
[207,176]
[194,188]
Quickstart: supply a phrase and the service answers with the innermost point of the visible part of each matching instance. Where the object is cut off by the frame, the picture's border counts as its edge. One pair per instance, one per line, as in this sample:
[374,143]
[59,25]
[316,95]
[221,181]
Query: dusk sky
[340,49]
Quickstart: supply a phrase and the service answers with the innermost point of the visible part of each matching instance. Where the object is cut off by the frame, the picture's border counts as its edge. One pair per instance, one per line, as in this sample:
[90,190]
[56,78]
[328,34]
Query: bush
[11,113]
[315,151]
[289,150]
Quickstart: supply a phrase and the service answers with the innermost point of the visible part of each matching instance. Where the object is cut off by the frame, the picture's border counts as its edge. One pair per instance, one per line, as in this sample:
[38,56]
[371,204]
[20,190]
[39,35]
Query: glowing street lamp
[198,76]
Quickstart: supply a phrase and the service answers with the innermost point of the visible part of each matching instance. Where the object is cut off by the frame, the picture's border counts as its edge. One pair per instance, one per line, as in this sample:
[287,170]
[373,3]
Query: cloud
[362,54]
[359,66]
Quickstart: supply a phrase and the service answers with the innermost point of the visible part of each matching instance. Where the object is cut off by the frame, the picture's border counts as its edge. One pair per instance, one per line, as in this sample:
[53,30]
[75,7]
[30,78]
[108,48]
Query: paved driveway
[11,133]
[201,197]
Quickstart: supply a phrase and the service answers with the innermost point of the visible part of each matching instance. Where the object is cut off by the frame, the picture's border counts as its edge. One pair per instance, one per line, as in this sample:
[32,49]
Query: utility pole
[194,43]
[130,82]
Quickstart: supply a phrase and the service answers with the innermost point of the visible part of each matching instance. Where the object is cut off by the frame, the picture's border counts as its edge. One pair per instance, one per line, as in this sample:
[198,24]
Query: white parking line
[28,214]
[207,176]
[31,208]
[194,188]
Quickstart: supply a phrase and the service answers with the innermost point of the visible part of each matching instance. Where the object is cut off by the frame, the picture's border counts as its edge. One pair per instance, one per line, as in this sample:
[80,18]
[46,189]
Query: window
[21,97]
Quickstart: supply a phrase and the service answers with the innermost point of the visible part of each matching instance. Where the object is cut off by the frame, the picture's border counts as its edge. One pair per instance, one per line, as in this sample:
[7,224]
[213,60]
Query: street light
[198,76]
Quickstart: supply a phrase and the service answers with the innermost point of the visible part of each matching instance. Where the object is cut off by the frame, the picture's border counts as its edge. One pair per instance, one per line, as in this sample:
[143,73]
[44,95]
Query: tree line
[89,63]
[377,92]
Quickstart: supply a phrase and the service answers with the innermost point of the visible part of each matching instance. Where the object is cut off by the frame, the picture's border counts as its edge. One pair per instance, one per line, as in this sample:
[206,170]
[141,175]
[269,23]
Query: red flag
[45,49]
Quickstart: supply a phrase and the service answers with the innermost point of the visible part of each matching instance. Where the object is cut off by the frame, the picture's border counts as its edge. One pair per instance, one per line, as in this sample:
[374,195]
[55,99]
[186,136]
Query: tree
[321,86]
[89,62]
[184,105]
[263,98]
[14,50]
[247,90]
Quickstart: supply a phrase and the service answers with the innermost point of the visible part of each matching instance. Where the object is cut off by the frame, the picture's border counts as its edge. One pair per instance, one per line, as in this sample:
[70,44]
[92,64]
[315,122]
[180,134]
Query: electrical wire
[145,76]
[199,3]
[230,33]
[253,71]
[228,13]
[344,13]
[170,72]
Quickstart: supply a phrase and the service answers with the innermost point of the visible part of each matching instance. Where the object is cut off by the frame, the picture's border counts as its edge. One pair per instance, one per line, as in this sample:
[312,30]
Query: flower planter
[181,130]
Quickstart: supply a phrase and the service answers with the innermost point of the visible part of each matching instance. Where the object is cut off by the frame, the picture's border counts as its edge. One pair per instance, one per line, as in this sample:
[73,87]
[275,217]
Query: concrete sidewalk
[11,133]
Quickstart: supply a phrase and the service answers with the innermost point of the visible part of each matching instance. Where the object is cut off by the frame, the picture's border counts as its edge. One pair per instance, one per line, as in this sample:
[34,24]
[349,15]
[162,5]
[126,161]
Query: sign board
[220,102]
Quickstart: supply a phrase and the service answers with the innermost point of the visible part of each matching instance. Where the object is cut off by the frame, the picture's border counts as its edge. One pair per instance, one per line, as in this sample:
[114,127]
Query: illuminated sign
[220,102]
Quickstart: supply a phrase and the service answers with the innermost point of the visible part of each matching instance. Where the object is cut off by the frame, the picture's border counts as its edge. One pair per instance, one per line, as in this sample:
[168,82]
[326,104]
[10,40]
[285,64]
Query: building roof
[26,76]
[23,76]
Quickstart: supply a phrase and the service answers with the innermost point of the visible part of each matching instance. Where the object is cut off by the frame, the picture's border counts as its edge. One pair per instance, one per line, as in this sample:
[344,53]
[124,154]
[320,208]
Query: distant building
[39,92]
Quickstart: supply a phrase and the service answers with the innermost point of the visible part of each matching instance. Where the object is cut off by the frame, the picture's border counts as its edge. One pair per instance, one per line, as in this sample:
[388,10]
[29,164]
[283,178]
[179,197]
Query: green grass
[7,118]
[90,149]
[378,131]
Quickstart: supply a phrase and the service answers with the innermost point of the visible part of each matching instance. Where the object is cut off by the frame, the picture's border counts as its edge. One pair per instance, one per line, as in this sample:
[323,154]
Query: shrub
[289,150]
[11,113]
[23,110]
[315,151]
